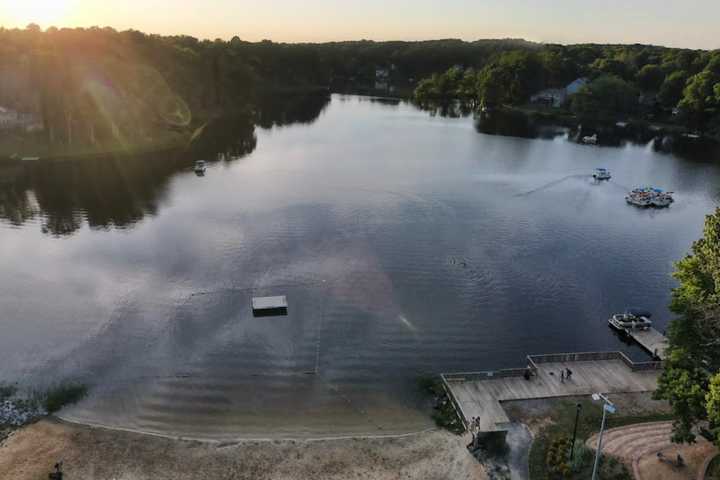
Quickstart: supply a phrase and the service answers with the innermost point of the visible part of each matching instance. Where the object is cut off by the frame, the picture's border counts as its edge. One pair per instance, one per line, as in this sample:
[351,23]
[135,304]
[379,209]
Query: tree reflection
[119,191]
[105,193]
[508,123]
[226,137]
[279,110]
[448,109]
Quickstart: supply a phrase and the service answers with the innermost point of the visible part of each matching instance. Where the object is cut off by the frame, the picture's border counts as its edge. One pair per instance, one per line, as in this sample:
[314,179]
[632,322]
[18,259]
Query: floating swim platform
[269,306]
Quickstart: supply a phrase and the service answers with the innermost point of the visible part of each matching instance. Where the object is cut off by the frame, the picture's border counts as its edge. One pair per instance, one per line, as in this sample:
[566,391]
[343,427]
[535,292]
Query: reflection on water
[405,243]
[107,193]
[286,109]
[117,192]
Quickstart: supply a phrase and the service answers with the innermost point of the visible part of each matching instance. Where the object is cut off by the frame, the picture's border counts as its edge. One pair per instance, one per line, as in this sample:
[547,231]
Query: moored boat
[590,140]
[649,197]
[601,174]
[662,200]
[200,166]
[632,319]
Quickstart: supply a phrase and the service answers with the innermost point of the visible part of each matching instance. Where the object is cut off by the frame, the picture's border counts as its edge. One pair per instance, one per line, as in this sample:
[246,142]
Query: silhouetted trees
[682,85]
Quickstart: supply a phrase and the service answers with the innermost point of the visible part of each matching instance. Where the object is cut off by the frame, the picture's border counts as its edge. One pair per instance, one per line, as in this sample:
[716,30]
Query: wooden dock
[480,394]
[651,340]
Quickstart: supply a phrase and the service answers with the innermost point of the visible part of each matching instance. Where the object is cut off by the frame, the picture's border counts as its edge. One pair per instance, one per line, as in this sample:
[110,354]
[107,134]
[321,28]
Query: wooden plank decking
[481,396]
[651,340]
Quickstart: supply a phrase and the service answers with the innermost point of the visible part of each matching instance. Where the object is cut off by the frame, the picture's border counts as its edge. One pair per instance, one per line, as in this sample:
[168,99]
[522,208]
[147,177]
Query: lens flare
[45,13]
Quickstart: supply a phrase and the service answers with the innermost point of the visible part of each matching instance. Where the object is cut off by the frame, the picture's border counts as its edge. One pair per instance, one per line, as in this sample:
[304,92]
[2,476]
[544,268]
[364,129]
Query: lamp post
[608,407]
[577,417]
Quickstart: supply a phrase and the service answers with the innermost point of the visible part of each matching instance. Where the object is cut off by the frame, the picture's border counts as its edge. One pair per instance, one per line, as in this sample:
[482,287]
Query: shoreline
[264,438]
[90,156]
[30,453]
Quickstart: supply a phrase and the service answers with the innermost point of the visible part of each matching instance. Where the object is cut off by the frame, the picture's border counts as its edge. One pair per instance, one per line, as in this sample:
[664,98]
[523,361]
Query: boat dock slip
[269,306]
[651,340]
[480,394]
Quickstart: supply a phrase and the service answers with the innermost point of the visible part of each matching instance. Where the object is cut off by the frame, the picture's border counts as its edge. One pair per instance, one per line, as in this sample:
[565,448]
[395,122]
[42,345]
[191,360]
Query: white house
[550,96]
[557,96]
[10,119]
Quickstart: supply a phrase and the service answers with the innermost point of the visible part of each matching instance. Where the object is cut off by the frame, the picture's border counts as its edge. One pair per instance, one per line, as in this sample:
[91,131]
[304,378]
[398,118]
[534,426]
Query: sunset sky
[682,23]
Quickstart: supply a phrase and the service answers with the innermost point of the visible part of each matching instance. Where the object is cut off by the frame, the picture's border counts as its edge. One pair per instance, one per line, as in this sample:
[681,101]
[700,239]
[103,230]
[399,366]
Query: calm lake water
[405,243]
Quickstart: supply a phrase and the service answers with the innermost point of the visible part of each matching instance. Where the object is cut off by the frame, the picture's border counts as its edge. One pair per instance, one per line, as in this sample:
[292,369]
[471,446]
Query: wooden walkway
[480,394]
[651,340]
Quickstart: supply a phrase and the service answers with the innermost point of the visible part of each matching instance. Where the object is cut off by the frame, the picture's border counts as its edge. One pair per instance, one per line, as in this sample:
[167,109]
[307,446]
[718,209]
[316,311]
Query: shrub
[557,458]
[7,391]
[62,395]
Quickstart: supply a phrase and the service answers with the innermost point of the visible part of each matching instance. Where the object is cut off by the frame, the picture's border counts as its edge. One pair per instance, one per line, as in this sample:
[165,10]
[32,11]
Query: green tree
[650,78]
[492,86]
[613,67]
[693,355]
[672,88]
[524,75]
[713,407]
[699,101]
[605,97]
[467,88]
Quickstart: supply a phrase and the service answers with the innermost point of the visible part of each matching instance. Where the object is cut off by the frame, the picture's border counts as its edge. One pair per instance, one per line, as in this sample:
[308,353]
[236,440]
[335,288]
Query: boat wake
[550,185]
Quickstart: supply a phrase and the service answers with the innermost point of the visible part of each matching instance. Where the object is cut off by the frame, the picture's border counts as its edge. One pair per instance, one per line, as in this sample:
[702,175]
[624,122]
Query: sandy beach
[96,453]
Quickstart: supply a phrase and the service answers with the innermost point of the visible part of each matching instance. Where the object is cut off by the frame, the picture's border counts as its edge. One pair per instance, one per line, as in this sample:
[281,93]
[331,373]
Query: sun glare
[45,13]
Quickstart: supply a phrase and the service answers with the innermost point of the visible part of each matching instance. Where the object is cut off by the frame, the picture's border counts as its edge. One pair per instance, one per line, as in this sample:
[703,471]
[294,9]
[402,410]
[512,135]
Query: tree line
[99,86]
[624,81]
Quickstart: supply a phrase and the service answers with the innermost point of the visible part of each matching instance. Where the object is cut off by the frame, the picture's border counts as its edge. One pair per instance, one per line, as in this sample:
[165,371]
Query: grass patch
[558,435]
[444,413]
[57,397]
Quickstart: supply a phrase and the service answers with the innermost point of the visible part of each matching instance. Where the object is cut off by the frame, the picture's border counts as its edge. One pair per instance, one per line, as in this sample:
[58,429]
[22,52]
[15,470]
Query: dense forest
[100,90]
[619,82]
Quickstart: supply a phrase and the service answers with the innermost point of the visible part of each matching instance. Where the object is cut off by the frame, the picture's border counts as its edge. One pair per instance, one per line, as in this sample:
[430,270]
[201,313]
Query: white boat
[649,197]
[662,200]
[601,174]
[200,166]
[590,140]
[632,319]
[638,200]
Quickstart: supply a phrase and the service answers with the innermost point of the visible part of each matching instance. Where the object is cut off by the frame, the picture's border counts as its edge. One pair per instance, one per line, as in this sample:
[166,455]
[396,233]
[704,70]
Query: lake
[406,244]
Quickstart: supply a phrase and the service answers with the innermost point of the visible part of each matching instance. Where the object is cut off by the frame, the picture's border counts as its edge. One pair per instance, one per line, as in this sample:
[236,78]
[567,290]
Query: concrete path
[638,446]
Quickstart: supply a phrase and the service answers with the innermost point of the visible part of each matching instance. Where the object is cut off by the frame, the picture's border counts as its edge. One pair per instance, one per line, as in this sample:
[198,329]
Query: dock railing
[486,375]
[532,364]
[534,360]
[458,411]
[593,356]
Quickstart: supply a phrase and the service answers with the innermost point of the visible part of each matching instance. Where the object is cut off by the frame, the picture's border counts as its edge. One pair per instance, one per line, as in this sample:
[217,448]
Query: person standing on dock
[562,376]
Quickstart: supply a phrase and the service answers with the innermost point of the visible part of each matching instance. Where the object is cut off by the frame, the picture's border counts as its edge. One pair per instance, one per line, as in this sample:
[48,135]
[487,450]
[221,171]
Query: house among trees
[552,97]
[555,97]
[575,86]
[11,119]
[382,78]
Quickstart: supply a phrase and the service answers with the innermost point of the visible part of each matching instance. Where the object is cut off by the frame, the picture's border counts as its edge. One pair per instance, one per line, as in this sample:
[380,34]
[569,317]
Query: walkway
[480,394]
[651,340]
